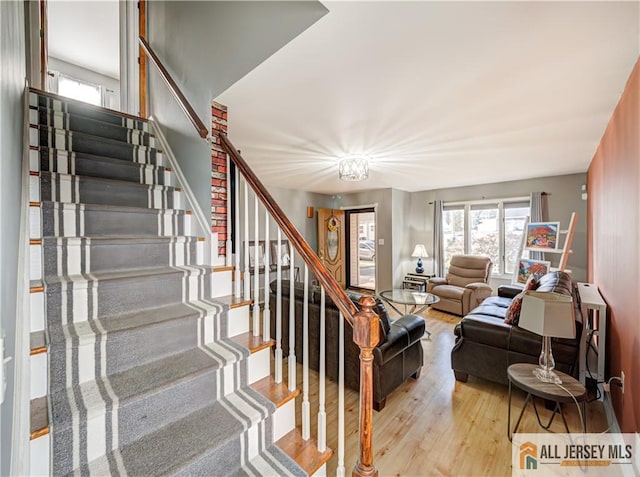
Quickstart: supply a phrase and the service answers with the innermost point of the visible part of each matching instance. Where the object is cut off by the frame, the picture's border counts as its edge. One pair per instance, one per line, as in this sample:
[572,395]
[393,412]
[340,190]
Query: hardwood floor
[435,426]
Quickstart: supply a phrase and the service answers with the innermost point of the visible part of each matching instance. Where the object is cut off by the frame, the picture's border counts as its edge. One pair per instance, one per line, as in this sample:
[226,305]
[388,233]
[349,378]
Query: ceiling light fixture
[354,168]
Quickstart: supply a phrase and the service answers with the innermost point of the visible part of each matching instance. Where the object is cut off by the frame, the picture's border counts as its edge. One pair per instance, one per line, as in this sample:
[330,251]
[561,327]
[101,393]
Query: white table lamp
[550,315]
[420,252]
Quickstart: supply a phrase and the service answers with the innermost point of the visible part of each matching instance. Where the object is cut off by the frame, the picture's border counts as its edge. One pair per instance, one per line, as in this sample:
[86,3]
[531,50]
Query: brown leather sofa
[397,357]
[465,285]
[486,346]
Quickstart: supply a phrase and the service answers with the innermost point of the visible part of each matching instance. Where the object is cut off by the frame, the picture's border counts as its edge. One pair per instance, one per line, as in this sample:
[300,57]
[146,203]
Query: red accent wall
[613,236]
[218,176]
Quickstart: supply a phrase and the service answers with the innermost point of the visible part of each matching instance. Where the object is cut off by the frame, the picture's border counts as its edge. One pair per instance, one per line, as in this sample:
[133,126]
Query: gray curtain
[537,215]
[438,251]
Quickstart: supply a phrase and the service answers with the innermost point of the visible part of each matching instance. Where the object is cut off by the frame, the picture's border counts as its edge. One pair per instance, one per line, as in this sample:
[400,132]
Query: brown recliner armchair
[465,286]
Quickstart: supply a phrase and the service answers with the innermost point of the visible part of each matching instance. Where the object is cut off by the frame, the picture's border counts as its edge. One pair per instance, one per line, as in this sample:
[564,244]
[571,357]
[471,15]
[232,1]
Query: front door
[331,242]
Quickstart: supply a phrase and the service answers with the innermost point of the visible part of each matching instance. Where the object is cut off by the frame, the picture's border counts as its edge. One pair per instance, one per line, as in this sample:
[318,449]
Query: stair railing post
[306,406]
[340,470]
[236,236]
[247,276]
[256,268]
[322,415]
[278,355]
[292,325]
[366,334]
[266,313]
[229,258]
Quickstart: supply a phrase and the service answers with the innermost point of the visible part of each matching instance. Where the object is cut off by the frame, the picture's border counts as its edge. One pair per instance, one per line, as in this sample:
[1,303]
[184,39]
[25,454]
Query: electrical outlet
[622,381]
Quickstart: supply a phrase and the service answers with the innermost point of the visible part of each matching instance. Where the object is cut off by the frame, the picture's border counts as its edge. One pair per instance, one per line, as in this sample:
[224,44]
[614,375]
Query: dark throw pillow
[513,312]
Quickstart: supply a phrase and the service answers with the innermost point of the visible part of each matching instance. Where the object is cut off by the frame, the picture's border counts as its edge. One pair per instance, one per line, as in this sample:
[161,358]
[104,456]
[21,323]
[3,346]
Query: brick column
[218,176]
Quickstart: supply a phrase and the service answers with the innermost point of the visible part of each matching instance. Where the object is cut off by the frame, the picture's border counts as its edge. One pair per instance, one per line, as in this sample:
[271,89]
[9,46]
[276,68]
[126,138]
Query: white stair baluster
[256,269]
[247,275]
[266,314]
[306,407]
[322,415]
[278,354]
[229,261]
[340,467]
[292,326]
[236,237]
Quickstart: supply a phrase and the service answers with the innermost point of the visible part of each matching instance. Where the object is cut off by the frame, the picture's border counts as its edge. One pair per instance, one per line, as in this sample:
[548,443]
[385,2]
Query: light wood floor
[435,426]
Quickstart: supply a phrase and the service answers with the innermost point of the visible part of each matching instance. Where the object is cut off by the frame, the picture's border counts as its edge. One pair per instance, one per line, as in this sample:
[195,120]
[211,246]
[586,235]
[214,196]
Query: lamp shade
[420,251]
[548,314]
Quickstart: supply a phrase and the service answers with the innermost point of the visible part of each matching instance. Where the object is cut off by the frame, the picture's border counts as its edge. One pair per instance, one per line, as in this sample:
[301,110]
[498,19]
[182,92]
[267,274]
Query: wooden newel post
[366,334]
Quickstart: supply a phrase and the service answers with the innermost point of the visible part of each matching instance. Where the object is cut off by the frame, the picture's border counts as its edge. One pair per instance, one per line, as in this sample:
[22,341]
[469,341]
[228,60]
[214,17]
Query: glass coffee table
[414,302]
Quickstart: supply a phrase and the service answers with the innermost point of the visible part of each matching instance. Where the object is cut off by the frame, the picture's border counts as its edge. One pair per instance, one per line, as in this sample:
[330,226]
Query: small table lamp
[549,315]
[420,252]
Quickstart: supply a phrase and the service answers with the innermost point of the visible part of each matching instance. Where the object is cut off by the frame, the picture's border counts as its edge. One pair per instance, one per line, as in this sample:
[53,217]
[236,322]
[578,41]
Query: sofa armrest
[404,332]
[434,282]
[479,286]
[509,291]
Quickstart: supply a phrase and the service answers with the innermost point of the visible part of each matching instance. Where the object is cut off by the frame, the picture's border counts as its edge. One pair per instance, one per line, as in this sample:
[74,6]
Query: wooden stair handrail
[332,287]
[203,131]
[366,332]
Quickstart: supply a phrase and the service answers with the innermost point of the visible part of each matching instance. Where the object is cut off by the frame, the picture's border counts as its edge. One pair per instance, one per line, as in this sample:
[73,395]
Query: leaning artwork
[527,267]
[542,235]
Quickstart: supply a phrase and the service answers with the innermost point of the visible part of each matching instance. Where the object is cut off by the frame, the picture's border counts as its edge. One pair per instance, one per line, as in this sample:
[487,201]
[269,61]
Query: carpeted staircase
[143,376]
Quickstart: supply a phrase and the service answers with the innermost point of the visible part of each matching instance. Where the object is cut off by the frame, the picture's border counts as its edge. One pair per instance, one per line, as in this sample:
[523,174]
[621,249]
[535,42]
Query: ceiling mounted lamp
[353,168]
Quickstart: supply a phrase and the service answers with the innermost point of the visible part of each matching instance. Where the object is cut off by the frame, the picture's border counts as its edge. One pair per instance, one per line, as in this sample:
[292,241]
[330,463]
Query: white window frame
[498,270]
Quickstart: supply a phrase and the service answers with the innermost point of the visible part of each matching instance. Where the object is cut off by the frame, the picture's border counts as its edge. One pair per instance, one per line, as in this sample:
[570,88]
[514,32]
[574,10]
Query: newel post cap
[366,330]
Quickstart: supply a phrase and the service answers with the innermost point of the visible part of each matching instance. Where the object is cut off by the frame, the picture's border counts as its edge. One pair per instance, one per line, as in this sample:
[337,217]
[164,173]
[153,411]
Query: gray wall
[563,197]
[208,46]
[294,203]
[12,74]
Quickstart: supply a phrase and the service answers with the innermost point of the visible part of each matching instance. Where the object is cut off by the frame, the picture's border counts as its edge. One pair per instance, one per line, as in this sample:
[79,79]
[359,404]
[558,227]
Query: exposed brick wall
[218,176]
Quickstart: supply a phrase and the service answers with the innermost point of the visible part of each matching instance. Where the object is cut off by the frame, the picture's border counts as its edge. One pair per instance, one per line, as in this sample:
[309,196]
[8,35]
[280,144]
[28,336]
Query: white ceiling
[439,94]
[86,33]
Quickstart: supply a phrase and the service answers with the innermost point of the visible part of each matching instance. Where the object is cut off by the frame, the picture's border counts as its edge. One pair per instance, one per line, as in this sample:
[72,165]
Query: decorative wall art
[542,236]
[527,267]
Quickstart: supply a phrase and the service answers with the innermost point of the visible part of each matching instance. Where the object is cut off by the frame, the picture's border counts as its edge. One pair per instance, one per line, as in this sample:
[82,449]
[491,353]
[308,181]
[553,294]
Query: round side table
[521,376]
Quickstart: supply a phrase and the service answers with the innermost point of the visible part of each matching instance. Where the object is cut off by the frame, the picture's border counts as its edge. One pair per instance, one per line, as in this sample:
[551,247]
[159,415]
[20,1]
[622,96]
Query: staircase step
[253,343]
[132,339]
[89,165]
[59,103]
[79,220]
[76,255]
[89,297]
[39,413]
[73,122]
[277,393]
[263,464]
[213,440]
[38,343]
[232,301]
[304,453]
[142,400]
[45,136]
[91,190]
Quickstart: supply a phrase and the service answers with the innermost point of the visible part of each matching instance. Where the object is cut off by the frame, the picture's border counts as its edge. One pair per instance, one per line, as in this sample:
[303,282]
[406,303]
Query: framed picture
[252,254]
[527,267]
[542,236]
[285,255]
